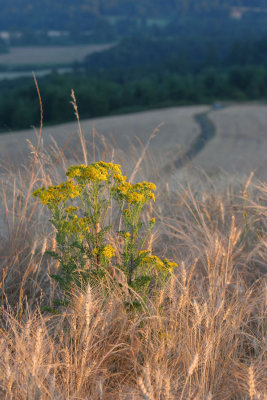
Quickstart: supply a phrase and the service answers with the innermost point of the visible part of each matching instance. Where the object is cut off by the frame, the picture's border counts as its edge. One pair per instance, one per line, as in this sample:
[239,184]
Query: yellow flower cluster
[169,264]
[145,186]
[119,178]
[153,260]
[96,172]
[138,193]
[142,252]
[95,251]
[152,222]
[112,168]
[53,195]
[107,252]
[91,173]
[164,265]
[101,171]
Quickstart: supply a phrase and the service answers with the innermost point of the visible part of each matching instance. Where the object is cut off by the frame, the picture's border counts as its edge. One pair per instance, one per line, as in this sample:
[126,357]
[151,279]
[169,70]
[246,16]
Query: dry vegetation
[240,141]
[203,336]
[178,129]
[238,146]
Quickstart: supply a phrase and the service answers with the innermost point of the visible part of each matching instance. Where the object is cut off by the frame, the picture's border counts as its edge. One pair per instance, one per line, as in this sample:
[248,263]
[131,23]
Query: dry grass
[238,146]
[177,133]
[240,141]
[204,335]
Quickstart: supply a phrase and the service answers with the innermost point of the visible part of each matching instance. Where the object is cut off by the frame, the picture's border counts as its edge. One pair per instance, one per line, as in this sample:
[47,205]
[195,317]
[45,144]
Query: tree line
[65,14]
[19,107]
[211,60]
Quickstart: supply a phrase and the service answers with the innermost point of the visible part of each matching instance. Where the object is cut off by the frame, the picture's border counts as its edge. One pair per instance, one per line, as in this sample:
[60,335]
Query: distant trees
[104,95]
[3,46]
[64,14]
[191,60]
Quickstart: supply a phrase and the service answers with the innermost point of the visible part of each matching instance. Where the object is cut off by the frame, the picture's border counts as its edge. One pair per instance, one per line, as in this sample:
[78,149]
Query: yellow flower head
[135,197]
[152,196]
[108,252]
[83,224]
[154,261]
[110,167]
[124,188]
[169,265]
[95,251]
[119,178]
[138,193]
[53,195]
[96,172]
[143,252]
[84,174]
[145,186]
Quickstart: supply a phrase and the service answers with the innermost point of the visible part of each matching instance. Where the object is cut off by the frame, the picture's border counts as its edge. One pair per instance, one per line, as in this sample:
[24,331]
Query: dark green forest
[138,74]
[62,13]
[102,19]
[19,107]
[187,60]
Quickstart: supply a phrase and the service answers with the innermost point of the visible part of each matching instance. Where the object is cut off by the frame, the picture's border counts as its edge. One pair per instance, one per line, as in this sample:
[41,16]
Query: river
[39,73]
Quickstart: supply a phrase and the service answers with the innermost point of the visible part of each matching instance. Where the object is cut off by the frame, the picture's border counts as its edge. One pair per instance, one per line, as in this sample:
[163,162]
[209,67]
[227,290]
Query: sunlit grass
[202,336]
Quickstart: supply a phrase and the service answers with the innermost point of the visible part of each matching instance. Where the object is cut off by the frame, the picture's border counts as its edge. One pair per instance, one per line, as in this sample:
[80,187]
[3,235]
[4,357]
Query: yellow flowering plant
[139,264]
[79,209]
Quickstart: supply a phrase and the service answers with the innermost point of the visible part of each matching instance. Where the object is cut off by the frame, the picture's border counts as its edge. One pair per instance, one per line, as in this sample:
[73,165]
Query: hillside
[237,147]
[64,14]
[133,201]
[109,295]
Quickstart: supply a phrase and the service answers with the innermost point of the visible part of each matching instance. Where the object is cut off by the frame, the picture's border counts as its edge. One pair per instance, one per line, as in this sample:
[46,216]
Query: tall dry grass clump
[201,336]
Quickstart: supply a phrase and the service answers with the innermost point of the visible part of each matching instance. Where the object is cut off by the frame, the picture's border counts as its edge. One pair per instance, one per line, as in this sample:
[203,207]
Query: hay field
[199,336]
[176,132]
[240,144]
[48,55]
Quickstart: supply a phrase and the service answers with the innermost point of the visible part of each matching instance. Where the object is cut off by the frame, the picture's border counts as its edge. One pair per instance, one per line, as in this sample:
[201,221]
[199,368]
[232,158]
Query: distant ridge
[65,14]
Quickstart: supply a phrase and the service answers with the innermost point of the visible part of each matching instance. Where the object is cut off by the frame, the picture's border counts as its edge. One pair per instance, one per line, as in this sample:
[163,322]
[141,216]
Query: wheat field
[237,148]
[202,337]
[240,142]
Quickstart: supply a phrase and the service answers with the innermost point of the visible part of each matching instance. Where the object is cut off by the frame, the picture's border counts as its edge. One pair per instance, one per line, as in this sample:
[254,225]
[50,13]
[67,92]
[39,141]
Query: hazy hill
[65,14]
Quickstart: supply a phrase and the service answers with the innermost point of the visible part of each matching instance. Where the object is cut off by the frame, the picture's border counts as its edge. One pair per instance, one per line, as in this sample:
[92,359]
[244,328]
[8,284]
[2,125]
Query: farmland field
[120,132]
[205,322]
[239,145]
[48,55]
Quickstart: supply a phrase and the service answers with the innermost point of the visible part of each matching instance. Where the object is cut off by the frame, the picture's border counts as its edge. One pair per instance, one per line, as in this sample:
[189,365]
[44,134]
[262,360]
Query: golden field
[203,335]
[237,148]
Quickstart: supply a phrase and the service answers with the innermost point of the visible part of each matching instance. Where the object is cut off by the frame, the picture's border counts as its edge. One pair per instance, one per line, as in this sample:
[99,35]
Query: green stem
[131,267]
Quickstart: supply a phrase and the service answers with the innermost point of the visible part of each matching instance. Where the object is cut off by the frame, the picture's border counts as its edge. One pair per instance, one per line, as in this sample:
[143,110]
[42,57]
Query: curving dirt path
[186,137]
[122,133]
[207,132]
